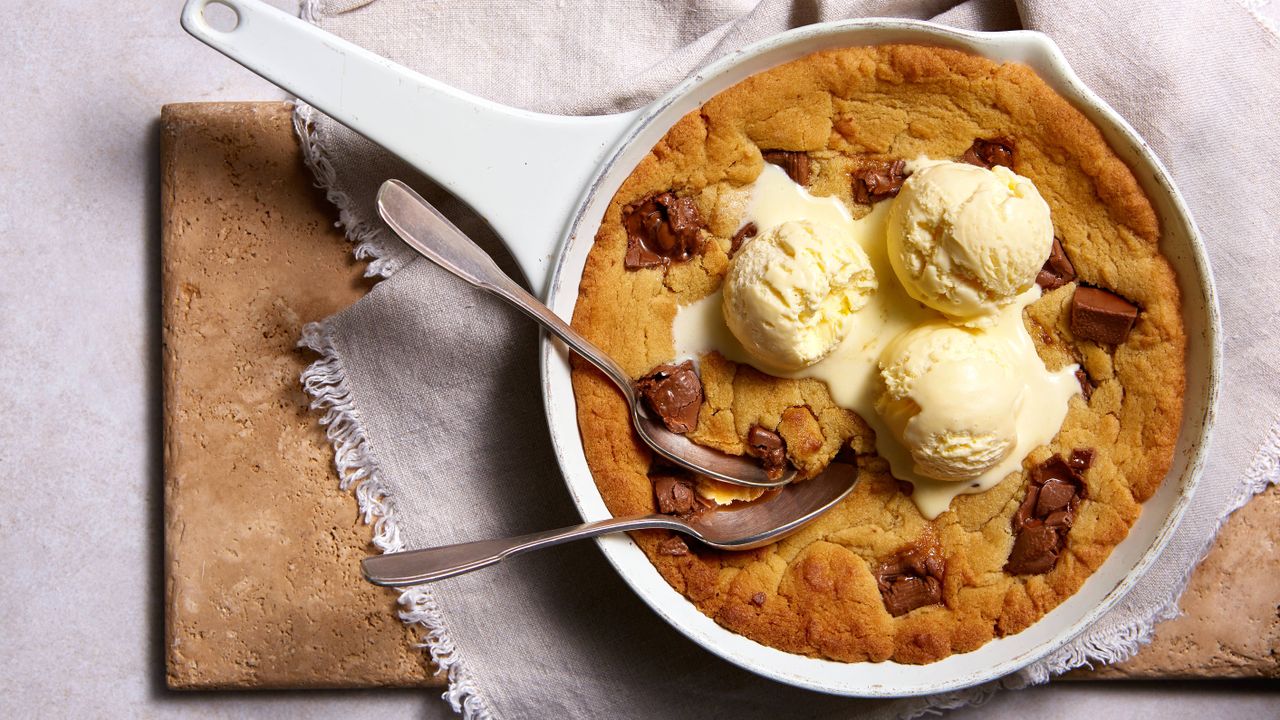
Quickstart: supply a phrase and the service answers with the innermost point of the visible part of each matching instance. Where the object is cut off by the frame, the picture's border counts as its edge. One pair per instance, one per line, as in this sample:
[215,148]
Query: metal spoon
[430,233]
[727,528]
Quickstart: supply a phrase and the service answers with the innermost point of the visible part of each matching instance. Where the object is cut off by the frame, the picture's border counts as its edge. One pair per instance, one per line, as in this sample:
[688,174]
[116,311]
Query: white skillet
[576,164]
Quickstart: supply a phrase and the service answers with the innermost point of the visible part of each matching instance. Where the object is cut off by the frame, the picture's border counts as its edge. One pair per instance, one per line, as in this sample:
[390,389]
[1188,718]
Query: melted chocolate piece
[876,181]
[1054,492]
[1057,270]
[1081,459]
[674,546]
[1086,385]
[1054,496]
[745,233]
[1061,519]
[673,393]
[1101,315]
[1055,468]
[758,599]
[989,153]
[768,446]
[674,496]
[796,164]
[1026,513]
[660,229]
[1035,551]
[908,593]
[911,579]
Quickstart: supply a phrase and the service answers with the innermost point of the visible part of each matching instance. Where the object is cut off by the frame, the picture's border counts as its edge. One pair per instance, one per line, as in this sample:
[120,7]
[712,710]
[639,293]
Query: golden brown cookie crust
[845,107]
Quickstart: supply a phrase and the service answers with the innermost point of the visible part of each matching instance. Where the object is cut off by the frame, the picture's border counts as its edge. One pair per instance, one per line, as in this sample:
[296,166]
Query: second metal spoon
[753,525]
[430,233]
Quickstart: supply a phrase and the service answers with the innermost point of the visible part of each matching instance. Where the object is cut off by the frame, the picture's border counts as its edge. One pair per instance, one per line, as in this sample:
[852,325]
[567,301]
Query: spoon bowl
[741,526]
[749,525]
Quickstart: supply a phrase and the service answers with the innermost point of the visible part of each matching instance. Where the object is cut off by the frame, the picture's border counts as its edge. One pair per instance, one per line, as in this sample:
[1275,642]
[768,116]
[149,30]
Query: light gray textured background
[80,492]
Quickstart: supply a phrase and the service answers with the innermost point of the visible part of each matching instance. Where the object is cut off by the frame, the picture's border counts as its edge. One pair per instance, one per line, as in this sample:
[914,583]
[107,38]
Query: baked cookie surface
[828,591]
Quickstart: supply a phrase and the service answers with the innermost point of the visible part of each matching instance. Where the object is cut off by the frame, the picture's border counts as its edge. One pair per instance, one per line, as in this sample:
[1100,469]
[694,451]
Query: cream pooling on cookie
[851,370]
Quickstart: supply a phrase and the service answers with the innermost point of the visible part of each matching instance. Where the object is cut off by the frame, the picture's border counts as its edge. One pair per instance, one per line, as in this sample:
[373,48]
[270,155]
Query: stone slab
[262,586]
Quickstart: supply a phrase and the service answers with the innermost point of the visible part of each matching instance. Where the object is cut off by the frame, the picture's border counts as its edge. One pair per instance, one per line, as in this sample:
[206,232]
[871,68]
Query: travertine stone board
[261,548]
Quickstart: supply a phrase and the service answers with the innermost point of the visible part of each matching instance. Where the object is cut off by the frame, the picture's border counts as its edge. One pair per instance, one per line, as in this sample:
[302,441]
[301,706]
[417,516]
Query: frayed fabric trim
[370,240]
[464,697]
[326,382]
[1264,471]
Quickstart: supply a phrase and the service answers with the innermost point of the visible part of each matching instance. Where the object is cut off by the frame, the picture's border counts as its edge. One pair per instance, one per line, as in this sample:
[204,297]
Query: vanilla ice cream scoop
[966,240]
[951,396]
[791,293]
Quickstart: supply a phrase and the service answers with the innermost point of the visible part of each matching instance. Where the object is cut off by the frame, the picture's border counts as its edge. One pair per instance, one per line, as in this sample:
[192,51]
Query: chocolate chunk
[1041,522]
[877,181]
[1026,512]
[990,152]
[1062,519]
[674,393]
[673,546]
[1055,468]
[1101,316]
[1086,385]
[1035,551]
[674,496]
[746,232]
[1081,459]
[796,164]
[911,579]
[1057,270]
[661,228]
[908,593]
[768,446]
[1054,495]
[758,599]
[906,487]
[918,559]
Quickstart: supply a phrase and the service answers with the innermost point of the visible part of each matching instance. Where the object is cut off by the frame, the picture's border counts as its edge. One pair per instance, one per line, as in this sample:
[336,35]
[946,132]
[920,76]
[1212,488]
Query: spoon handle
[428,565]
[430,233]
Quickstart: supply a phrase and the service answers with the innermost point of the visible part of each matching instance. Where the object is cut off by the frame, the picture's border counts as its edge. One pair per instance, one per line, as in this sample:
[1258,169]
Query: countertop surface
[80,601]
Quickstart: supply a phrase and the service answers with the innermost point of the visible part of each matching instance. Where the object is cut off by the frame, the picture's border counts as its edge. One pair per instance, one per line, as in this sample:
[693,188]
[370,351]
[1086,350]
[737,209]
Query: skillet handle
[524,172]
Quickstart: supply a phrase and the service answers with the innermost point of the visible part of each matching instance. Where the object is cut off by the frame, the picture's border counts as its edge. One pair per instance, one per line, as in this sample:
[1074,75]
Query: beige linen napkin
[431,392]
